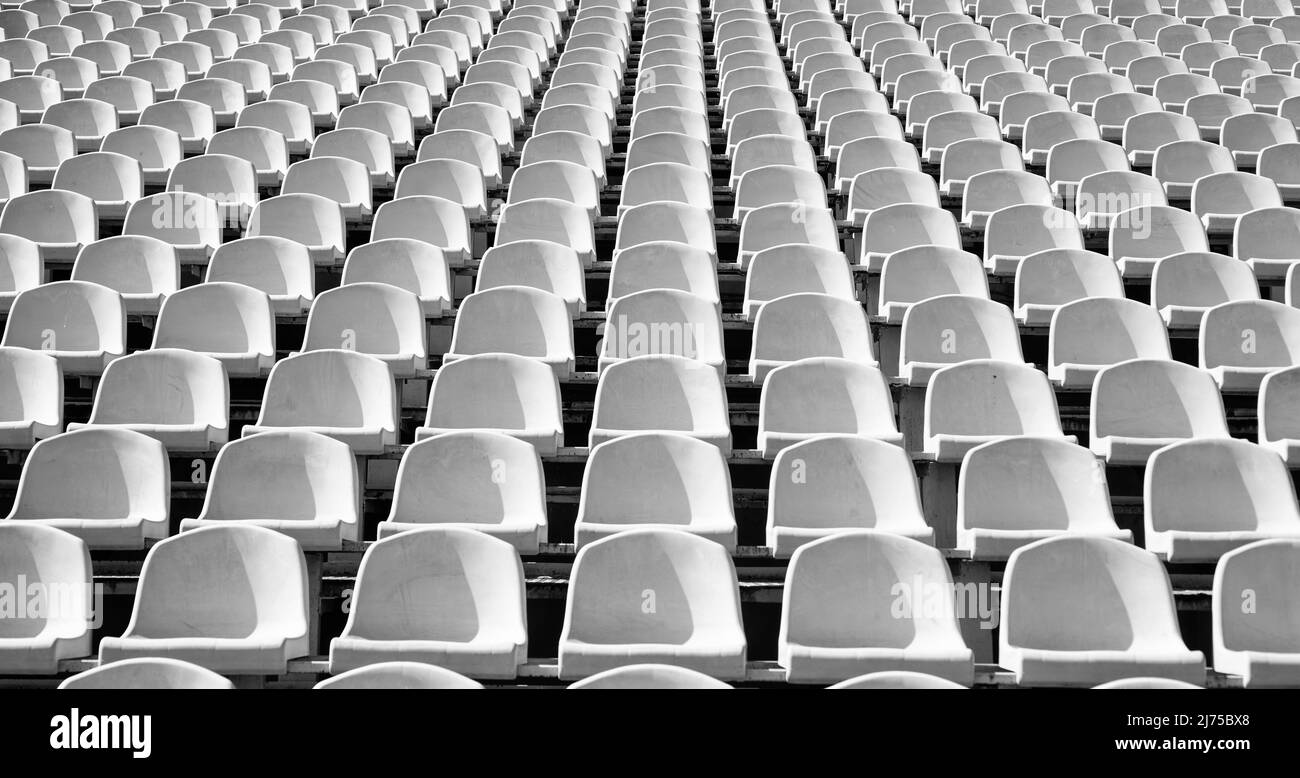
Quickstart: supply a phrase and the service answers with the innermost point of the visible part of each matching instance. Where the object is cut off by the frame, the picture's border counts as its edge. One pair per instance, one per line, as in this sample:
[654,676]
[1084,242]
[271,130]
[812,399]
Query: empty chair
[1142,235]
[1204,498]
[1072,160]
[896,227]
[123,499]
[345,181]
[790,269]
[178,397]
[1247,134]
[1101,196]
[147,673]
[31,386]
[376,319]
[81,324]
[292,120]
[258,624]
[827,635]
[313,497]
[696,620]
[1242,341]
[143,270]
[517,320]
[566,182]
[661,392]
[33,94]
[59,222]
[663,321]
[42,146]
[966,159]
[558,221]
[279,267]
[1017,231]
[49,560]
[854,400]
[1086,610]
[1141,405]
[1096,332]
[1219,199]
[640,481]
[808,324]
[887,186]
[981,400]
[953,126]
[1265,239]
[918,273]
[1185,286]
[1258,642]
[1019,490]
[229,322]
[310,219]
[189,222]
[462,607]
[948,329]
[1049,279]
[1111,111]
[504,393]
[483,481]
[1179,164]
[1281,165]
[1045,130]
[1147,132]
[343,394]
[1209,111]
[1278,427]
[267,149]
[406,263]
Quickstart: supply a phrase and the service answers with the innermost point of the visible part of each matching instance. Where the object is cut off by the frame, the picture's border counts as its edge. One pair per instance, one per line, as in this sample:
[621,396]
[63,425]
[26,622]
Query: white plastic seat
[1017,231]
[1019,490]
[1141,405]
[696,620]
[656,480]
[661,392]
[189,222]
[548,219]
[569,146]
[377,319]
[279,267]
[883,187]
[483,481]
[808,324]
[953,126]
[649,676]
[1264,239]
[1281,164]
[828,635]
[965,159]
[255,626]
[1111,111]
[300,484]
[503,393]
[949,329]
[1179,164]
[1081,611]
[663,321]
[560,181]
[896,227]
[981,400]
[1045,130]
[82,325]
[42,146]
[1256,643]
[1147,132]
[48,559]
[1069,162]
[346,395]
[1049,279]
[1247,134]
[1204,498]
[229,322]
[230,182]
[673,182]
[1141,236]
[406,263]
[1221,198]
[224,96]
[853,397]
[1096,332]
[315,221]
[461,608]
[519,320]
[143,270]
[344,181]
[1241,341]
[267,149]
[147,673]
[1185,286]
[181,398]
[794,268]
[31,391]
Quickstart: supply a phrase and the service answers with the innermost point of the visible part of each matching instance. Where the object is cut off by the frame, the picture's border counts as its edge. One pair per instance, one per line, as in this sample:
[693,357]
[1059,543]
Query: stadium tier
[650,343]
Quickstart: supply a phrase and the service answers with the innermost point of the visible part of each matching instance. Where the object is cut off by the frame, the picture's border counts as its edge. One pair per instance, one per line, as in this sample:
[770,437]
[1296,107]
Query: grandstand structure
[650,343]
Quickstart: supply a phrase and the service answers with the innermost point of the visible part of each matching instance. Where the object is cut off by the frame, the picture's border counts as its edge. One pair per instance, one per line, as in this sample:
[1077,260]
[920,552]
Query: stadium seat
[443,595]
[143,270]
[656,480]
[850,606]
[1018,490]
[548,219]
[310,219]
[1143,404]
[1254,618]
[57,562]
[376,319]
[1087,610]
[1265,240]
[1011,399]
[398,675]
[343,394]
[833,483]
[662,596]
[503,393]
[516,320]
[277,266]
[147,673]
[82,325]
[808,324]
[190,222]
[58,221]
[948,329]
[649,676]
[179,397]
[1185,286]
[663,321]
[1141,236]
[1241,341]
[253,627]
[790,269]
[896,227]
[1049,279]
